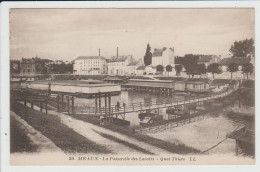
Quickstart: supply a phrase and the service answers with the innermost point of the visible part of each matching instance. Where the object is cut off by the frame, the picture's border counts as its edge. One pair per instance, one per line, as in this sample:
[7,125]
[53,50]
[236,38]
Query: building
[89,65]
[118,65]
[239,61]
[164,57]
[131,68]
[140,70]
[34,66]
[192,85]
[208,59]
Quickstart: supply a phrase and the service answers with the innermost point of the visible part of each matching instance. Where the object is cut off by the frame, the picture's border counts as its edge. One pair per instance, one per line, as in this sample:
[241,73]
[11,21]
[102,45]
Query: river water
[201,134]
[129,97]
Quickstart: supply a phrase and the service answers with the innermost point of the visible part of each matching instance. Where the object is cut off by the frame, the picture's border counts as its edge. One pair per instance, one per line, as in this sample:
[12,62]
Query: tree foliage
[159,68]
[190,62]
[62,68]
[178,68]
[14,67]
[232,68]
[201,68]
[148,56]
[214,68]
[192,70]
[243,48]
[247,68]
[168,68]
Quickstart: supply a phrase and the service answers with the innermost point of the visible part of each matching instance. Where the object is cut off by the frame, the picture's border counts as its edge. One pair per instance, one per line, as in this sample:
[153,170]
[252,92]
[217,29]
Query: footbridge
[115,110]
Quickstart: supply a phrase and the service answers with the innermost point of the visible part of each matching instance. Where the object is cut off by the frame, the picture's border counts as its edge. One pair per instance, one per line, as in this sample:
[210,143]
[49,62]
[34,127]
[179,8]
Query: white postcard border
[5,146]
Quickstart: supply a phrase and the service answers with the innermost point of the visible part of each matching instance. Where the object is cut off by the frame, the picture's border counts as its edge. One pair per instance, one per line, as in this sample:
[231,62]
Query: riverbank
[209,134]
[19,140]
[174,148]
[62,136]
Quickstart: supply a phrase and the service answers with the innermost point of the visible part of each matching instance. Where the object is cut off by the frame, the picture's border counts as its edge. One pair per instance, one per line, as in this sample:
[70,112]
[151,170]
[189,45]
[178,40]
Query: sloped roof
[205,58]
[120,59]
[90,57]
[132,64]
[141,68]
[157,52]
[235,60]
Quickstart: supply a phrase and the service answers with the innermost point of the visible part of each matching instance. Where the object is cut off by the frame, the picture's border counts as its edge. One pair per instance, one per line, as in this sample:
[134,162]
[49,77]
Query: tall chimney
[99,52]
[117,52]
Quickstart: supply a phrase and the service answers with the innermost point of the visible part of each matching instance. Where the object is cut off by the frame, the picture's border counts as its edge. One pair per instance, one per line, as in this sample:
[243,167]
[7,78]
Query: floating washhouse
[17,81]
[114,80]
[148,84]
[198,85]
[86,88]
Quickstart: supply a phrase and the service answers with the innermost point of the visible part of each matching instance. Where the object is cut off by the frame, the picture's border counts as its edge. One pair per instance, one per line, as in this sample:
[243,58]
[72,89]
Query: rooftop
[141,68]
[119,59]
[235,60]
[205,58]
[132,64]
[79,83]
[158,52]
[90,57]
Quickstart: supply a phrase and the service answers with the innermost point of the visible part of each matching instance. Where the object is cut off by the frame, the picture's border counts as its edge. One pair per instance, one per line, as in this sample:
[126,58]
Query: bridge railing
[137,106]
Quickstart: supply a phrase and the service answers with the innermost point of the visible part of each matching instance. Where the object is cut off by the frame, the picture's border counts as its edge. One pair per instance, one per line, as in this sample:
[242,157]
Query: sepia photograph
[132,86]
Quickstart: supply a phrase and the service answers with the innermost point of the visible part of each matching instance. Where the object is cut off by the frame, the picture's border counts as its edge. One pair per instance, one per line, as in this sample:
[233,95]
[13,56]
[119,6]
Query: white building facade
[164,57]
[90,65]
[118,65]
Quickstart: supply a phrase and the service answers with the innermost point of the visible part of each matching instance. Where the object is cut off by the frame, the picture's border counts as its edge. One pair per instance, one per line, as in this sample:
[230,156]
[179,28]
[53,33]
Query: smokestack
[117,52]
[99,52]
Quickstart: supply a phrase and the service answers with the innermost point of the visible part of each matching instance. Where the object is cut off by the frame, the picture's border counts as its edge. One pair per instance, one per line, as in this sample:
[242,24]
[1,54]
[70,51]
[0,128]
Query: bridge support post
[41,106]
[62,101]
[109,104]
[99,102]
[72,104]
[105,106]
[32,105]
[58,103]
[46,107]
[24,103]
[96,106]
[68,104]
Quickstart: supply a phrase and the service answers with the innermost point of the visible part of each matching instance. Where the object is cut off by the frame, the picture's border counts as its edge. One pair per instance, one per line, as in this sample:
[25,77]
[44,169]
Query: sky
[65,34]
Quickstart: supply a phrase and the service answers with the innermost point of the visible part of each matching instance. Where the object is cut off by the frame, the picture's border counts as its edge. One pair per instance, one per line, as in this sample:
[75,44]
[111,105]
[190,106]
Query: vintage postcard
[132,86]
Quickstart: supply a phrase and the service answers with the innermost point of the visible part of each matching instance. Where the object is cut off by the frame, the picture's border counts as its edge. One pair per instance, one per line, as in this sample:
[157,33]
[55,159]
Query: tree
[190,62]
[159,68]
[201,68]
[232,67]
[213,68]
[192,70]
[178,69]
[243,48]
[168,69]
[148,56]
[247,68]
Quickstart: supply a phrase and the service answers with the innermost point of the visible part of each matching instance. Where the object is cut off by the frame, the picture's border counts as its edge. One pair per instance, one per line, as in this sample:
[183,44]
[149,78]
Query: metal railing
[154,104]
